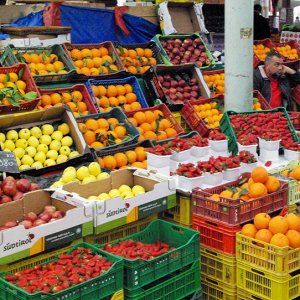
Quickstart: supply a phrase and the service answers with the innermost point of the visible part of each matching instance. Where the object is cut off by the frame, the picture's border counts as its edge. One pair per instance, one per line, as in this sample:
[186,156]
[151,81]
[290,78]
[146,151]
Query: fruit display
[12,189]
[280,231]
[294,173]
[160,150]
[39,146]
[49,214]
[136,157]
[120,95]
[215,82]
[135,249]
[94,60]
[188,170]
[83,174]
[76,97]
[287,52]
[180,87]
[123,191]
[247,157]
[104,131]
[136,60]
[68,270]
[261,51]
[185,50]
[216,135]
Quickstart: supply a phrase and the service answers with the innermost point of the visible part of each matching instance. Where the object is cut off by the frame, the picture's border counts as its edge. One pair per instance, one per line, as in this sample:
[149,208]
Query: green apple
[47,129]
[103,196]
[49,162]
[82,172]
[57,184]
[88,179]
[2,137]
[102,175]
[64,128]
[127,194]
[42,148]
[18,161]
[21,143]
[45,139]
[138,189]
[40,157]
[68,177]
[65,150]
[12,135]
[94,168]
[70,169]
[52,154]
[19,152]
[67,141]
[114,193]
[24,134]
[9,144]
[55,145]
[61,159]
[124,188]
[31,151]
[36,132]
[37,165]
[74,154]
[92,198]
[33,141]
[27,160]
[57,135]
[24,167]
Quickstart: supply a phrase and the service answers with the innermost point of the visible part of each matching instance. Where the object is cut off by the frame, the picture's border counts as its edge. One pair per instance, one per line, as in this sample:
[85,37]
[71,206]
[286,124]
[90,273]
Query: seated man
[275,80]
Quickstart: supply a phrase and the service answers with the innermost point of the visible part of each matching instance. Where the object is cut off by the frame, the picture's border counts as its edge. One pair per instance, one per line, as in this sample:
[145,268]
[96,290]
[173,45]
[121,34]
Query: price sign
[8,162]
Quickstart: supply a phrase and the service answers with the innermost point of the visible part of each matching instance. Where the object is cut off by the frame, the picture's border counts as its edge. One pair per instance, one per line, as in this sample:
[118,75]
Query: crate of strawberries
[160,249]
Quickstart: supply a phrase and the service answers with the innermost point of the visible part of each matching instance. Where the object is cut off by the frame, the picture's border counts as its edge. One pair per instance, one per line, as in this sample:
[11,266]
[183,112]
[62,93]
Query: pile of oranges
[279,231]
[215,82]
[134,158]
[136,61]
[293,174]
[287,52]
[153,125]
[111,96]
[100,133]
[96,61]
[74,99]
[210,113]
[43,63]
[261,51]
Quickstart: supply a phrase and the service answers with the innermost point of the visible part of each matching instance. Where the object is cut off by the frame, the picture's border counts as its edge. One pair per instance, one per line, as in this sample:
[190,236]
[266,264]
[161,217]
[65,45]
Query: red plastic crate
[167,113]
[91,106]
[216,235]
[294,45]
[267,43]
[263,102]
[30,87]
[295,118]
[192,119]
[221,71]
[233,212]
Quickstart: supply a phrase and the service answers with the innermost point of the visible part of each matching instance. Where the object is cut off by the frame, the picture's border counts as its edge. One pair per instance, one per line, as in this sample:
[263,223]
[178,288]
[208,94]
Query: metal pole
[238,55]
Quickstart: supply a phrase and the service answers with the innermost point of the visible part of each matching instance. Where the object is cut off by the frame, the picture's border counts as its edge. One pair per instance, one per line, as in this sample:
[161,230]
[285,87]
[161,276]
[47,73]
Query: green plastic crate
[97,288]
[11,57]
[175,286]
[227,129]
[157,38]
[138,273]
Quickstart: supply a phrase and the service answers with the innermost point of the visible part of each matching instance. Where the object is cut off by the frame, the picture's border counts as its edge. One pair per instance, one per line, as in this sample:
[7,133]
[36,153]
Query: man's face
[274,66]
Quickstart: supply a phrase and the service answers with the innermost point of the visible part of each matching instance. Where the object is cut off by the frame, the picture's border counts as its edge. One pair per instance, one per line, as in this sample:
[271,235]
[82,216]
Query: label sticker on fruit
[8,162]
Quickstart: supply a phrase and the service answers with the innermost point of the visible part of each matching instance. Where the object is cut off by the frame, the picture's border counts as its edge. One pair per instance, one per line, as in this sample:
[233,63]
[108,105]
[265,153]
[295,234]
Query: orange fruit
[158,114]
[90,137]
[102,90]
[139,117]
[109,162]
[279,240]
[103,51]
[113,122]
[55,98]
[138,164]
[148,52]
[150,117]
[66,97]
[82,127]
[261,221]
[120,131]
[161,135]
[86,53]
[113,101]
[95,52]
[263,235]
[248,229]
[171,132]
[82,107]
[141,154]
[128,88]
[97,145]
[103,124]
[257,189]
[131,156]
[46,100]
[165,123]
[294,238]
[92,124]
[76,53]
[121,159]
[133,121]
[146,126]
[131,97]
[121,90]
[272,184]
[140,52]
[77,96]
[72,106]
[259,174]
[150,135]
[34,58]
[293,221]
[278,224]
[58,65]
[103,101]
[111,91]
[85,71]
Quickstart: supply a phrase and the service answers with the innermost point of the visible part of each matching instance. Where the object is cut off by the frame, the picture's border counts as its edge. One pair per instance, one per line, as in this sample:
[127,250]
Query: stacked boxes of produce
[219,213]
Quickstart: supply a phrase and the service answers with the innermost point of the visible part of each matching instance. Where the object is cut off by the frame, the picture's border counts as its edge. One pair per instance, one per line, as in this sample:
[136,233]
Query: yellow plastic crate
[181,121]
[120,232]
[218,266]
[294,185]
[182,212]
[244,295]
[280,260]
[216,290]
[265,284]
[38,259]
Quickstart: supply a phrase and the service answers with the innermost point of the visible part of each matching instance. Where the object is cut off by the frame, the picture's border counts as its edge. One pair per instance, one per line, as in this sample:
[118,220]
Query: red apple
[31,216]
[23,185]
[50,209]
[10,224]
[26,223]
[9,188]
[5,199]
[34,187]
[45,216]
[38,222]
[58,214]
[18,196]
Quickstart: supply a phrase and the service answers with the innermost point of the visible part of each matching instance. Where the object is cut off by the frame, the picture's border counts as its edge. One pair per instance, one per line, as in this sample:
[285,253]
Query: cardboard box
[180,17]
[17,242]
[160,195]
[51,115]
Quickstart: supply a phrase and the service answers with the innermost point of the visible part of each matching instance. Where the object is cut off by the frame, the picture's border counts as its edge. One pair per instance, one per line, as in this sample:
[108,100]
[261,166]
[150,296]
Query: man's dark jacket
[261,27]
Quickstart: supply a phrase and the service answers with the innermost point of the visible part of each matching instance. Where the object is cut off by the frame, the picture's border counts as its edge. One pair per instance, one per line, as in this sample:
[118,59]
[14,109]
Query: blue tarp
[33,19]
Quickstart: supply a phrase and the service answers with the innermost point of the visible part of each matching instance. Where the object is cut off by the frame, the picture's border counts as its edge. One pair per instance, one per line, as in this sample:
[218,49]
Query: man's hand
[287,70]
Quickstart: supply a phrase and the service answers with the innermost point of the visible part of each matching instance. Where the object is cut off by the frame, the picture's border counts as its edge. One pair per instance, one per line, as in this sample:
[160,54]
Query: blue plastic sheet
[33,19]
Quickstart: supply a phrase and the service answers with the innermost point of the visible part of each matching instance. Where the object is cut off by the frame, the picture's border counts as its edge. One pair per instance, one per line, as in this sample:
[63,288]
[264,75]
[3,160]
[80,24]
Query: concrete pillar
[238,55]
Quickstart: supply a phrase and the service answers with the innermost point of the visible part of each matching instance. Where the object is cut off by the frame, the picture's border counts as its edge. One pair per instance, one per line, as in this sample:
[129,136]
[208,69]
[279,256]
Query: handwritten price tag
[8,162]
